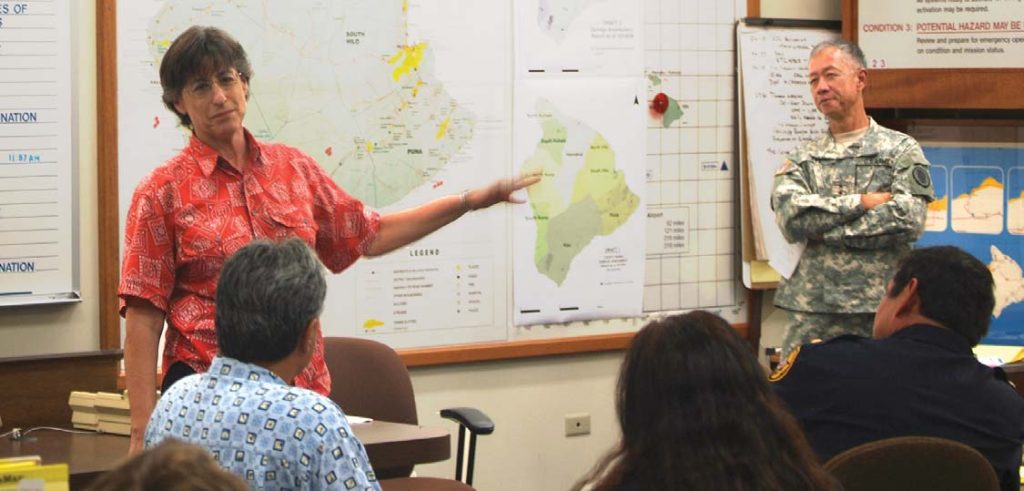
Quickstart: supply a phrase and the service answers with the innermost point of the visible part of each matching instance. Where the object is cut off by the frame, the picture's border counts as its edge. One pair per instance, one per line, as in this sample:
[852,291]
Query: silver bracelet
[463,198]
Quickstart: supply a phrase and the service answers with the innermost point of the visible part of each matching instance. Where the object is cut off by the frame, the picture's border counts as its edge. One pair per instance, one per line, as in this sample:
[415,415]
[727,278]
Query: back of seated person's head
[696,412]
[954,289]
[267,295]
[170,466]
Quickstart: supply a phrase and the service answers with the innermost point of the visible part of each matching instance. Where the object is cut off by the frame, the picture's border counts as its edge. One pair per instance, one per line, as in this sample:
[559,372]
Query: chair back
[913,463]
[369,379]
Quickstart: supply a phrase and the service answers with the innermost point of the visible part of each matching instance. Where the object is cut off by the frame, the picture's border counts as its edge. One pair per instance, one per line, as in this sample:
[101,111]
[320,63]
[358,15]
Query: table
[396,444]
[90,454]
[87,454]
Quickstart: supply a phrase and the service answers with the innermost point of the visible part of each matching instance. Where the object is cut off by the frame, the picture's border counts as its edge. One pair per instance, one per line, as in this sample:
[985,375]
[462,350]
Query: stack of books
[18,473]
[83,410]
[105,412]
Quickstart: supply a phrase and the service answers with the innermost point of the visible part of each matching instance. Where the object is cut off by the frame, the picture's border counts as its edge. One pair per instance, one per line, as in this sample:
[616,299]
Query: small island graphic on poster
[979,207]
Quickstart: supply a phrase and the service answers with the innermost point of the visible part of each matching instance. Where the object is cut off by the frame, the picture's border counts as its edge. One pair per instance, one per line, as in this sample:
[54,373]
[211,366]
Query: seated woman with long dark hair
[697,413]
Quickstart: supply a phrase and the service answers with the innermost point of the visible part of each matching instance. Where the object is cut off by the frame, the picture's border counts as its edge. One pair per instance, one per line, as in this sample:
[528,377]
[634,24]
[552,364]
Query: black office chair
[910,463]
[369,379]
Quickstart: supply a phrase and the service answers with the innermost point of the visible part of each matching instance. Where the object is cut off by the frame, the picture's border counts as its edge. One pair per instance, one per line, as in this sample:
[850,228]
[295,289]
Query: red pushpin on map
[660,103]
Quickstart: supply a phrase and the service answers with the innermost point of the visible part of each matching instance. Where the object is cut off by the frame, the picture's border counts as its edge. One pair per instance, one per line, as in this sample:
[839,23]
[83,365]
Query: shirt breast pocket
[874,177]
[198,233]
[292,221]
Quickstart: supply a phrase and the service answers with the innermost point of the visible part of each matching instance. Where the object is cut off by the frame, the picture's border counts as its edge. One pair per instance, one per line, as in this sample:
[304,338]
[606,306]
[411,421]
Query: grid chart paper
[691,163]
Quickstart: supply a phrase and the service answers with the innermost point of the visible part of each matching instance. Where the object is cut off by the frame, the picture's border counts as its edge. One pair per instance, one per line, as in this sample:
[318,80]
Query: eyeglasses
[227,80]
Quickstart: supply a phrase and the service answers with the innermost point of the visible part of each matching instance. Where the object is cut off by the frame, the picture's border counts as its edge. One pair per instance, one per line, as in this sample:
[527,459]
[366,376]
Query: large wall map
[399,101]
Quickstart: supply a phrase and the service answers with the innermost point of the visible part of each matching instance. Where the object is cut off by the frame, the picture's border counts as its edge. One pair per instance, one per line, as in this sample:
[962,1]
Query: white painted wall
[527,400]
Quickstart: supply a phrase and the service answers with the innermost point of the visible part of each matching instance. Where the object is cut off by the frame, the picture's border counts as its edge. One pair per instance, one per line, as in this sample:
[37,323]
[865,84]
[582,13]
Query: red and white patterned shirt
[191,213]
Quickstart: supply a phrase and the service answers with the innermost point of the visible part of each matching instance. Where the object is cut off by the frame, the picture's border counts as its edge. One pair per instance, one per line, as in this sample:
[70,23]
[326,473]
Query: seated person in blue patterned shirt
[244,410]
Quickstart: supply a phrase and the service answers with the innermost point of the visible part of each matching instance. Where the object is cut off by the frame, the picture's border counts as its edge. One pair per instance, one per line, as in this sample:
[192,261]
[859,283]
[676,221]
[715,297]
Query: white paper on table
[357,420]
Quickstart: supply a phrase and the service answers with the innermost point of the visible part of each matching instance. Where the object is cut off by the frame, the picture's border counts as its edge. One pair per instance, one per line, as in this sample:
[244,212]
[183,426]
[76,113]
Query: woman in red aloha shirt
[224,189]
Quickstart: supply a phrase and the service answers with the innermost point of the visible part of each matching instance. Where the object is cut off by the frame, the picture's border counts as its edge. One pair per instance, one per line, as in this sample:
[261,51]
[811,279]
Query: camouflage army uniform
[851,252]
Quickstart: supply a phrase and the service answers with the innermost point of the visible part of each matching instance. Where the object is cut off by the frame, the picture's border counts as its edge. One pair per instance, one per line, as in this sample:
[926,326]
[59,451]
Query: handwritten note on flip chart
[779,116]
[38,236]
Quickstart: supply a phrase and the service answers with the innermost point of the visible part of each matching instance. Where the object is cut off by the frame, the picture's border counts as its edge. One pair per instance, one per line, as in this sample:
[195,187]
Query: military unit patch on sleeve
[921,176]
[783,369]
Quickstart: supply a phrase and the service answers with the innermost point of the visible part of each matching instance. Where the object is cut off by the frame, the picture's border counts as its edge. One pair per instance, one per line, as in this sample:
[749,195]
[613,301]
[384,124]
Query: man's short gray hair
[852,51]
[266,297]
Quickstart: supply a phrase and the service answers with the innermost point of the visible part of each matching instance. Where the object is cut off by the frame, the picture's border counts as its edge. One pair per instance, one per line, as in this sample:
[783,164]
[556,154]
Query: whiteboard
[38,167]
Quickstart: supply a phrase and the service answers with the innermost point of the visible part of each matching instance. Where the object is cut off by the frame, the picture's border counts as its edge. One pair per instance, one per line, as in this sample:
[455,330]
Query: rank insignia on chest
[921,176]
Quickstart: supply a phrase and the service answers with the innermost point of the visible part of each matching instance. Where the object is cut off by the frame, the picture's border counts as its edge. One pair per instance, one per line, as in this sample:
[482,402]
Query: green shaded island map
[674,110]
[598,203]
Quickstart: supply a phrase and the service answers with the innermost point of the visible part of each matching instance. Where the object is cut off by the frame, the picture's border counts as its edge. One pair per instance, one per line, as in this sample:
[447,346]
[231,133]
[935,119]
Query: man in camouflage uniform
[857,196]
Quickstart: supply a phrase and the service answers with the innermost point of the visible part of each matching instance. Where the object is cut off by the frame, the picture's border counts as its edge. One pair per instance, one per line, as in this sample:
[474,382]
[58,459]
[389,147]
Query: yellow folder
[52,477]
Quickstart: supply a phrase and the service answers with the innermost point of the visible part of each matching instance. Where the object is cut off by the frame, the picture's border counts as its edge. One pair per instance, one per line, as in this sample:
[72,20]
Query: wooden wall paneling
[848,10]
[946,88]
[106,121]
[35,390]
[468,353]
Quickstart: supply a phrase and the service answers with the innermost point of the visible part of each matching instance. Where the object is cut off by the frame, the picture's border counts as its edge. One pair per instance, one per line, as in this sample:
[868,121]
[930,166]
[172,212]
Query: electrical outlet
[577,424]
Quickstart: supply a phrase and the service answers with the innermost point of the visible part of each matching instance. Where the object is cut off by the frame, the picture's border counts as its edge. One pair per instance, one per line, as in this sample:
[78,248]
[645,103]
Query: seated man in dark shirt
[918,375]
